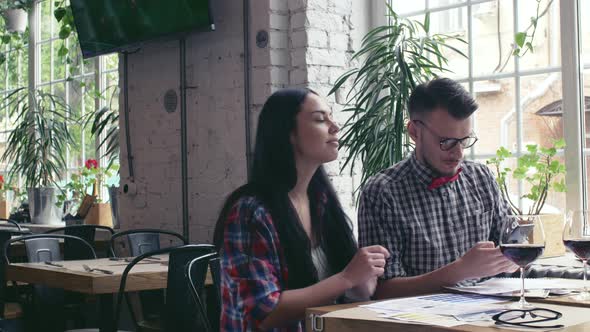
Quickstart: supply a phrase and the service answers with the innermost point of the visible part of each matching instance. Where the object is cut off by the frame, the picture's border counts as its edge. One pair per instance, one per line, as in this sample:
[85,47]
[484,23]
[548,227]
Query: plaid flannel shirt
[253,267]
[426,229]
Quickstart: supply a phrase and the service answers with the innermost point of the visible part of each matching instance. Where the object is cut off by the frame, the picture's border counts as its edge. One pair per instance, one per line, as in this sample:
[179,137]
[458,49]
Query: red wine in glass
[522,240]
[576,237]
[522,254]
[580,247]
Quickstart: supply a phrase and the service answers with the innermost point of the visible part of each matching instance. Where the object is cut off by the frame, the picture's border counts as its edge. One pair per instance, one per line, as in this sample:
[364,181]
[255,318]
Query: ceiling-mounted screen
[106,26]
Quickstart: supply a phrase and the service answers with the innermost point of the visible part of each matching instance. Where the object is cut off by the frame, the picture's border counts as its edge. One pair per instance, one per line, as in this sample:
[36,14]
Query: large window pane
[546,42]
[453,22]
[542,110]
[46,19]
[404,7]
[45,62]
[495,121]
[585,29]
[493,35]
[433,4]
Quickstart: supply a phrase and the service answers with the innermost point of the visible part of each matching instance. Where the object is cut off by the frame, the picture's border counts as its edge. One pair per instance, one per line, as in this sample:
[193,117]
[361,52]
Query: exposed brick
[321,5]
[279,5]
[326,57]
[279,21]
[321,20]
[297,5]
[279,57]
[298,76]
[299,39]
[339,41]
[279,75]
[298,21]
[299,57]
[278,39]
[342,7]
[317,38]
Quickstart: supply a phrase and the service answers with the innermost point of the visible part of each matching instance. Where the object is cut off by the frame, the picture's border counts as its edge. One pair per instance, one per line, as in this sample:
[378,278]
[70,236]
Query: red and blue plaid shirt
[253,266]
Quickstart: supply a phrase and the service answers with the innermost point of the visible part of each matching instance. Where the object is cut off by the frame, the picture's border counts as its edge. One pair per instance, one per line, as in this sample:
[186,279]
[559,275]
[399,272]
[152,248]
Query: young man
[437,214]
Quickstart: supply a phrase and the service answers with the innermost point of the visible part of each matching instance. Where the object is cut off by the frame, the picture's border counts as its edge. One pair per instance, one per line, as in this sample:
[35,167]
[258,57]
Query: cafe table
[350,317]
[146,275]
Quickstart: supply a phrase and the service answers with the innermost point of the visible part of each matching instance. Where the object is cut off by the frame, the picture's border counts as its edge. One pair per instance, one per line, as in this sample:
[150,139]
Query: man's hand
[483,260]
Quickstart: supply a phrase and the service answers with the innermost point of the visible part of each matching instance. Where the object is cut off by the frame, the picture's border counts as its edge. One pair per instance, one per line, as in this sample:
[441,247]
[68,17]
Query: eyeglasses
[517,317]
[448,143]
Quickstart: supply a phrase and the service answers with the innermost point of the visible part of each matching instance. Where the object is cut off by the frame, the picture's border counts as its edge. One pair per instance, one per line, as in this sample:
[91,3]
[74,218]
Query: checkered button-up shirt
[426,229]
[253,267]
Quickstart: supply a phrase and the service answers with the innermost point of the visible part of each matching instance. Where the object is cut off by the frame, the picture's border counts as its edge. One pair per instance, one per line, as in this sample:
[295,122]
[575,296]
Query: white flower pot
[15,20]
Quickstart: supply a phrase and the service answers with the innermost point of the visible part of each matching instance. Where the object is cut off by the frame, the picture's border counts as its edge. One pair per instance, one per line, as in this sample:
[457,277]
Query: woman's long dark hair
[273,176]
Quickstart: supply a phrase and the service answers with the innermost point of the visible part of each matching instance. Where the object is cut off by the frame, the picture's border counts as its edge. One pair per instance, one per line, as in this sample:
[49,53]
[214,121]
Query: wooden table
[150,274]
[333,324]
[146,275]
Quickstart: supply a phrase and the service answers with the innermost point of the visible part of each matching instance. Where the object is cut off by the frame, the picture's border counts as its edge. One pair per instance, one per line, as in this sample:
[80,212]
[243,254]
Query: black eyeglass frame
[450,141]
[530,324]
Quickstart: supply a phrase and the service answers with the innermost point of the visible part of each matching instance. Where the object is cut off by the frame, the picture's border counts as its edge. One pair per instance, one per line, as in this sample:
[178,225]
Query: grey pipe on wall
[247,65]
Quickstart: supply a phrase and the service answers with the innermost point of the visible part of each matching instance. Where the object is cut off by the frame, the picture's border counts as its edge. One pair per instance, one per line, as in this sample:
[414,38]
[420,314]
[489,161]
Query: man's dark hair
[441,93]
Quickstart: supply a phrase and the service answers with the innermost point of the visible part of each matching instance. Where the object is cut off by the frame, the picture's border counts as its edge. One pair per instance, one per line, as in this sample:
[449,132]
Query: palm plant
[37,146]
[395,59]
[104,123]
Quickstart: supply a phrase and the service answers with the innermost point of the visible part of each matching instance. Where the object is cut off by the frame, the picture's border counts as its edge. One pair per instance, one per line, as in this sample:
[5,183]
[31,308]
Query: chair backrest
[140,241]
[196,273]
[73,249]
[6,233]
[11,222]
[177,315]
[44,247]
[215,268]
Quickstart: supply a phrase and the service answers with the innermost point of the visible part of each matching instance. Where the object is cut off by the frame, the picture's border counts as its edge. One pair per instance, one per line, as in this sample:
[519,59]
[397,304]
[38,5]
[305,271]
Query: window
[79,82]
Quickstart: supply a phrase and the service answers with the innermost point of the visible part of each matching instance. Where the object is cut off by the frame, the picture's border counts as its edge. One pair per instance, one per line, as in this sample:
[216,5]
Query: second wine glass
[522,241]
[576,237]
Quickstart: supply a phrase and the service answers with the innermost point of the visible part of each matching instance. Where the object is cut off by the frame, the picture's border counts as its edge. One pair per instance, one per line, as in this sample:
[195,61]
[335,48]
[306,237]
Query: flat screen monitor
[106,26]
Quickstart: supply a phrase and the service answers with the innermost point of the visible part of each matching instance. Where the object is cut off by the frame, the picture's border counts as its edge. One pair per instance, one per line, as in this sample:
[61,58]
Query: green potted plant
[543,172]
[15,15]
[87,182]
[37,146]
[394,58]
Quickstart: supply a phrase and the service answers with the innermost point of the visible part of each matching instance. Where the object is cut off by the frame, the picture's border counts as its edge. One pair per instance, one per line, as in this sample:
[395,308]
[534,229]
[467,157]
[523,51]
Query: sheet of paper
[510,285]
[439,304]
[428,319]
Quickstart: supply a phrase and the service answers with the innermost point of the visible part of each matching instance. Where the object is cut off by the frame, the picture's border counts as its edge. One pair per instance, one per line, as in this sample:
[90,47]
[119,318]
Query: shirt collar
[422,172]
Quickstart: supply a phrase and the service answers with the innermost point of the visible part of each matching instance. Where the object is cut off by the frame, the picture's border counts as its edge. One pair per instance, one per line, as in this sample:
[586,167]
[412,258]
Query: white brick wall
[309,45]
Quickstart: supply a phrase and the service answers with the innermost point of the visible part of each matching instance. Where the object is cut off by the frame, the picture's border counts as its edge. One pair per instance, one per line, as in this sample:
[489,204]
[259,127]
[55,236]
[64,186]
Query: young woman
[285,243]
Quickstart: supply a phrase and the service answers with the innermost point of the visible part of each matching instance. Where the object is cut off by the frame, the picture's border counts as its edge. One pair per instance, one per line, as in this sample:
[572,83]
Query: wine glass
[576,237]
[522,241]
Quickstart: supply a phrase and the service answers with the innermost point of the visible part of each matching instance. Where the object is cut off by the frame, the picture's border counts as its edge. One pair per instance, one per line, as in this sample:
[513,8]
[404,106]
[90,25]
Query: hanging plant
[63,14]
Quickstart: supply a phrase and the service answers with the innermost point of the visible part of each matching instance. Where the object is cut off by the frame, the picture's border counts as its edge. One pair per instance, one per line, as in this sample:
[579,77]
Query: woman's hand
[362,292]
[368,263]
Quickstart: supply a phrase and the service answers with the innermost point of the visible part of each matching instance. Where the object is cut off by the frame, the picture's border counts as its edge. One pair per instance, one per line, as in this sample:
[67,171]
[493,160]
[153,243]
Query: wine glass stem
[585,261]
[522,300]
